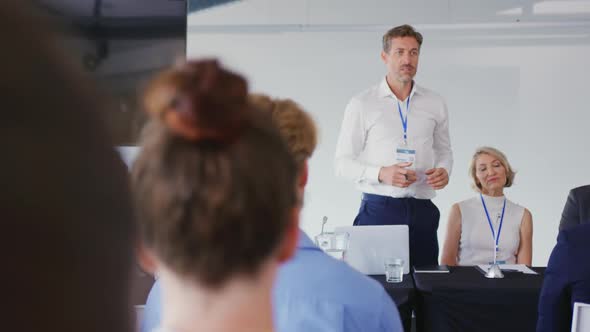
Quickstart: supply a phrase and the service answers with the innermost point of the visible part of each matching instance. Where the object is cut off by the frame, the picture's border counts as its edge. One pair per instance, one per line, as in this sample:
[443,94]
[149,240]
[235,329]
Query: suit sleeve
[570,215]
[554,301]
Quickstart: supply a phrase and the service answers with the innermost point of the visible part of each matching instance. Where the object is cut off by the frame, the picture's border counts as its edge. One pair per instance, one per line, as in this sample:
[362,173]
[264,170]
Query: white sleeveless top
[477,242]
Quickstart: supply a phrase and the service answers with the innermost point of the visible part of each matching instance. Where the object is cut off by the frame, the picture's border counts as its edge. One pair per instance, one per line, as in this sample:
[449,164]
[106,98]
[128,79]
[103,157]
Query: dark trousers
[421,216]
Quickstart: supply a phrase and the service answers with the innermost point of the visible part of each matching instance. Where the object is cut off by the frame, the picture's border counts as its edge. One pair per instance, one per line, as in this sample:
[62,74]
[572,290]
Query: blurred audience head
[66,242]
[295,125]
[214,184]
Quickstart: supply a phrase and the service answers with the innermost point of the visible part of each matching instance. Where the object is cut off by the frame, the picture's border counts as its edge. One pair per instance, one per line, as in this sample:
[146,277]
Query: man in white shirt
[394,143]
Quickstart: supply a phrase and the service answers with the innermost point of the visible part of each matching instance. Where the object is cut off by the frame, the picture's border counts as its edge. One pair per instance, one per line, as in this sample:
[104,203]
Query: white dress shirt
[372,130]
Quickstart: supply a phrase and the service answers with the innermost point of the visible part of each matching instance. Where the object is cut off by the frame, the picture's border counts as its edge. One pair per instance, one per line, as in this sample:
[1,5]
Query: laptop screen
[370,246]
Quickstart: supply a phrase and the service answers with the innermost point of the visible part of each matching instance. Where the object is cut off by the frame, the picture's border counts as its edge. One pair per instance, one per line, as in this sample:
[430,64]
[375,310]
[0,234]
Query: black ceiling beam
[134,28]
[99,27]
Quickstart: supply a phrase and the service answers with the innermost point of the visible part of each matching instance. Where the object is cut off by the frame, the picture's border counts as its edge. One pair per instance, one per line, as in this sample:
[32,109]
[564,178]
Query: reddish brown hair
[214,183]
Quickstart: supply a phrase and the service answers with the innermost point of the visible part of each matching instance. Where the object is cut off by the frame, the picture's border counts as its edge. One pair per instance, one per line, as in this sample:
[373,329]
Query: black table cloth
[464,300]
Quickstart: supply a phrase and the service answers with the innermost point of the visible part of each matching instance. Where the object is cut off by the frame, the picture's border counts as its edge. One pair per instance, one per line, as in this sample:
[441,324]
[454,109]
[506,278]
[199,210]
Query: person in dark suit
[577,208]
[567,279]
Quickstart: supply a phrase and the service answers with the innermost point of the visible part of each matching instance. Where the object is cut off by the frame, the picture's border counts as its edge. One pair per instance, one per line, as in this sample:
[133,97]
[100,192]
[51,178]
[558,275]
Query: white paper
[517,267]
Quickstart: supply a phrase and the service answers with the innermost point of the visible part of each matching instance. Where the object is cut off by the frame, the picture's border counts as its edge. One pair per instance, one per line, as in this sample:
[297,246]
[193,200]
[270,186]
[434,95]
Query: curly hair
[294,124]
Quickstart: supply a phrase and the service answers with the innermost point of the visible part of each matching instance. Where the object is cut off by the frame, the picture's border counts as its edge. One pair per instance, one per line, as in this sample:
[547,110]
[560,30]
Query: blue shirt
[315,292]
[152,312]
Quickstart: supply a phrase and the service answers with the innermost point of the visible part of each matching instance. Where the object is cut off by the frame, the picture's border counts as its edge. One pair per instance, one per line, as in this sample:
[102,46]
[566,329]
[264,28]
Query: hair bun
[199,100]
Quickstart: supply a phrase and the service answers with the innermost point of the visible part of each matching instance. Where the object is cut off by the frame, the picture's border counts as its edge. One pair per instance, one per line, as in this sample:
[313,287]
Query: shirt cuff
[446,167]
[372,174]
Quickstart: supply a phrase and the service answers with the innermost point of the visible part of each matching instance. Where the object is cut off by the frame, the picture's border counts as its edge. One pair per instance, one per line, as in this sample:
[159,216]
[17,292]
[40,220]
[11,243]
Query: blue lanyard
[496,238]
[404,120]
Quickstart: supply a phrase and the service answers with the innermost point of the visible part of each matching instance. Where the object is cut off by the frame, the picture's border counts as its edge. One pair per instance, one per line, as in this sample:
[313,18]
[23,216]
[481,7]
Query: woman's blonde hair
[510,173]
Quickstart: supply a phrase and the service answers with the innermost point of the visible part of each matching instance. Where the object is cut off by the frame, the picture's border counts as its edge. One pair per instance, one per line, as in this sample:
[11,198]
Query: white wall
[520,87]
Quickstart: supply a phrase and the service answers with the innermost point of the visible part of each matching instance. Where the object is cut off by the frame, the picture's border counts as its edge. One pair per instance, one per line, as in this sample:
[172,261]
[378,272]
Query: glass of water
[334,244]
[394,270]
[324,241]
[339,245]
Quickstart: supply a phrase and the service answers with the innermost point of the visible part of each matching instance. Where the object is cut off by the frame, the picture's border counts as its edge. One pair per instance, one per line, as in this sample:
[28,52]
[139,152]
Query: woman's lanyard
[494,235]
[404,120]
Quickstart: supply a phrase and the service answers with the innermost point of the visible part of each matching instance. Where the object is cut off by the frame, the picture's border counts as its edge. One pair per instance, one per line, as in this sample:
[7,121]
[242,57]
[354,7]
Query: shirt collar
[385,91]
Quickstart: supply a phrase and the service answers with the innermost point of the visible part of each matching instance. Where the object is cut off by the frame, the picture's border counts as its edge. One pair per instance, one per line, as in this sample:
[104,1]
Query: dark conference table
[464,300]
[402,294]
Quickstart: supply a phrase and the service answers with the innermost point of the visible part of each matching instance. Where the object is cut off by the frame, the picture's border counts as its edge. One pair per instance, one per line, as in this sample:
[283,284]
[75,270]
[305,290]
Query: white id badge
[405,154]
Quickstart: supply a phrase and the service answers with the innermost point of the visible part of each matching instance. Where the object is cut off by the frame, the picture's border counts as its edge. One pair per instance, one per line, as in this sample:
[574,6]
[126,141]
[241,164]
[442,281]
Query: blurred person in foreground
[315,292]
[213,229]
[489,221]
[67,230]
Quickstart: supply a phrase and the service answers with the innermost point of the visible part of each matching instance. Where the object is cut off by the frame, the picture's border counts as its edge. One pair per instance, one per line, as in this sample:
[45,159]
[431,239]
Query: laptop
[368,247]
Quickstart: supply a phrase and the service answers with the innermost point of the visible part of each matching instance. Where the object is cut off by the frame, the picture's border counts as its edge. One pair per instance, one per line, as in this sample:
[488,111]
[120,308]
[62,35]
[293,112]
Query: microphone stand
[494,272]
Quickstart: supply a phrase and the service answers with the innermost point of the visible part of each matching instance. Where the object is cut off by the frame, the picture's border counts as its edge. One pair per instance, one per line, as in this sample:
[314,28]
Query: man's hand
[437,178]
[397,175]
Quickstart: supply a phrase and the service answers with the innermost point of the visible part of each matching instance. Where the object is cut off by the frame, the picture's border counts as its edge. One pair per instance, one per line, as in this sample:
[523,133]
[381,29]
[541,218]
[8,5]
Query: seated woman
[489,220]
[216,198]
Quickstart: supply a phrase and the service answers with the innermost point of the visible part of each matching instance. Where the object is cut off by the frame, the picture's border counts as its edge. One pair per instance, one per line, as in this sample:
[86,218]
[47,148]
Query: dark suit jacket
[567,279]
[577,208]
